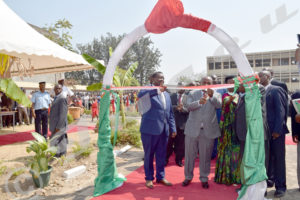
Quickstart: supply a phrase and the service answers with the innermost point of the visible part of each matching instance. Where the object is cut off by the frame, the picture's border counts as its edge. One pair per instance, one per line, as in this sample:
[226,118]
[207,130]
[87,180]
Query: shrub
[82,151]
[70,119]
[87,112]
[128,135]
[132,113]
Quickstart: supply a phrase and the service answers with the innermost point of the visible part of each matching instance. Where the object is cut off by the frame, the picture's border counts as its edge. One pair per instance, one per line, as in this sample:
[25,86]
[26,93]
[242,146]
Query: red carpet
[289,140]
[25,136]
[134,187]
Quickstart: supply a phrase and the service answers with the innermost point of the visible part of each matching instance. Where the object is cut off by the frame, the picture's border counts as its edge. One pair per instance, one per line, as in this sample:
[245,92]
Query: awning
[36,53]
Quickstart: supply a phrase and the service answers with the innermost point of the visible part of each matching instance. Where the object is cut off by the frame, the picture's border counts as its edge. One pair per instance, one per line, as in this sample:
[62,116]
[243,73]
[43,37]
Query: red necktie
[179,99]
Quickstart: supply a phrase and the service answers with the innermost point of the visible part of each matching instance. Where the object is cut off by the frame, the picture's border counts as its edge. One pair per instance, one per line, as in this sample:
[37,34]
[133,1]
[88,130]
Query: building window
[275,61]
[258,63]
[267,62]
[226,65]
[284,61]
[251,63]
[211,66]
[217,65]
[293,61]
[286,80]
[232,65]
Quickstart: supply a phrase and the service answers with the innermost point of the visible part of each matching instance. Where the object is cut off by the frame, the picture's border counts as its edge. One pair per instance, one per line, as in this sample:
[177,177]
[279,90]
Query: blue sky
[180,47]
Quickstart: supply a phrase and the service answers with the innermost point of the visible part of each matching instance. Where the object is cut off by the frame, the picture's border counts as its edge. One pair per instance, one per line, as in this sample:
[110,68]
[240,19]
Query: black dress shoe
[205,185]
[270,183]
[279,193]
[186,182]
[179,163]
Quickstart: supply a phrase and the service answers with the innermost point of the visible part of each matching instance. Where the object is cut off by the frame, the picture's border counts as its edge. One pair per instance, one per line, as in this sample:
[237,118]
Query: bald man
[276,107]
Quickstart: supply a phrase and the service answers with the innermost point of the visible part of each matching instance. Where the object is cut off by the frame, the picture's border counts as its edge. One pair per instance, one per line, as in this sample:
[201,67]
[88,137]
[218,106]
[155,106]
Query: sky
[256,25]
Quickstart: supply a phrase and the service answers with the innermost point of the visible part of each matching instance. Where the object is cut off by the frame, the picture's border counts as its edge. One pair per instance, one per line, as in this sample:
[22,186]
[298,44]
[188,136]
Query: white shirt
[163,99]
[66,92]
[86,98]
[267,86]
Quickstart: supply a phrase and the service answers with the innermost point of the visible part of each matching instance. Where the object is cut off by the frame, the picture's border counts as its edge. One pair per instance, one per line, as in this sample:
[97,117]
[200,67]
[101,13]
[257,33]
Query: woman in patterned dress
[228,164]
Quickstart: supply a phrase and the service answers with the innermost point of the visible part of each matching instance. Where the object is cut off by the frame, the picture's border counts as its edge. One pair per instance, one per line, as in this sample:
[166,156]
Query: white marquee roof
[19,39]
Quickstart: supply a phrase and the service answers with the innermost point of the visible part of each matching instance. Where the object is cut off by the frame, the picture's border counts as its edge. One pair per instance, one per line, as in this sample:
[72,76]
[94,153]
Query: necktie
[179,98]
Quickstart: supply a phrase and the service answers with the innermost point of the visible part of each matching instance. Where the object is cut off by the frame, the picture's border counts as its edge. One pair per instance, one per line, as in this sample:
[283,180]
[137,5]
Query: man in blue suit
[157,119]
[276,106]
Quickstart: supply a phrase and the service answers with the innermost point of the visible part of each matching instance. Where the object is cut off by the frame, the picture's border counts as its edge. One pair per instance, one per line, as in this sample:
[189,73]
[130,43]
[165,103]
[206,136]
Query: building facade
[282,62]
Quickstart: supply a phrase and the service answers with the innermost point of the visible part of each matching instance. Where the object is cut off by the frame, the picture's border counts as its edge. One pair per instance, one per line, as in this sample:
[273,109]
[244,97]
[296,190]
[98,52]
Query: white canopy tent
[34,53]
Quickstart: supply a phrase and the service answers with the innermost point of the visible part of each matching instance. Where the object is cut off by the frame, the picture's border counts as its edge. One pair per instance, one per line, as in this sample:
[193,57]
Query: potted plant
[39,164]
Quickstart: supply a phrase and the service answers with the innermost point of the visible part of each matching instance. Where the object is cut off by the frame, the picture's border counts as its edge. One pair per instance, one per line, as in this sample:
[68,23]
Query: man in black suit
[58,122]
[276,82]
[276,106]
[181,114]
[295,121]
[240,124]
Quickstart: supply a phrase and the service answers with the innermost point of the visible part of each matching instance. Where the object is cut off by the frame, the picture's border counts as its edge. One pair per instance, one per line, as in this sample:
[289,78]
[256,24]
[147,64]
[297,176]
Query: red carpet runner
[134,188]
[26,136]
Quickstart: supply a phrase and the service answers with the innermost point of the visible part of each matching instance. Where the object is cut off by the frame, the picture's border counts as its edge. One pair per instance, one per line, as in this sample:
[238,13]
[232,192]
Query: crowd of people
[191,123]
[52,107]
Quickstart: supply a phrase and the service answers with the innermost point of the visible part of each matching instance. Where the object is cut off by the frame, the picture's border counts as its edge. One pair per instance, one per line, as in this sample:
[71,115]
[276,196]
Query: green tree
[121,78]
[148,58]
[142,52]
[59,33]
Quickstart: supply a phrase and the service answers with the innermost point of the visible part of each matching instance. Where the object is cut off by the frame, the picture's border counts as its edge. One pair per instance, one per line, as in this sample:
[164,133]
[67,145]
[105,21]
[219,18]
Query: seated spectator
[6,105]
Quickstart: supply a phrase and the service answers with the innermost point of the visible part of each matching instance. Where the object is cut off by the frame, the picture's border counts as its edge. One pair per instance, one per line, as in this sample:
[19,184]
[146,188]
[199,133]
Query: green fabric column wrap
[253,164]
[108,177]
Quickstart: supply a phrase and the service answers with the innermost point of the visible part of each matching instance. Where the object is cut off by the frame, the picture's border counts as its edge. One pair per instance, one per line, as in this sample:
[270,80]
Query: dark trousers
[215,149]
[276,170]
[29,111]
[176,145]
[41,119]
[154,145]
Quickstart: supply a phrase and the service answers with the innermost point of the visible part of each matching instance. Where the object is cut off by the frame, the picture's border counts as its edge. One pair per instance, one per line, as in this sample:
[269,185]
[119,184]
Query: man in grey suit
[58,122]
[200,131]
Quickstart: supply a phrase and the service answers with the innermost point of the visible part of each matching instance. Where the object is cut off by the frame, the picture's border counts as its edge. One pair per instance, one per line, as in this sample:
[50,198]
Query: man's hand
[33,115]
[56,130]
[202,101]
[232,98]
[210,92]
[179,107]
[275,135]
[295,139]
[297,118]
[163,88]
[173,135]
